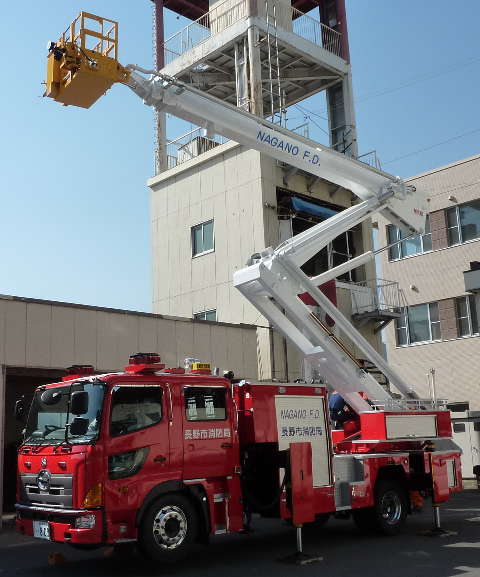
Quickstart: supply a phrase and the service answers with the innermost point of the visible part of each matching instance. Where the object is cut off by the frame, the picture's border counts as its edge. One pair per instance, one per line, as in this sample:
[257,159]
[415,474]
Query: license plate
[41,529]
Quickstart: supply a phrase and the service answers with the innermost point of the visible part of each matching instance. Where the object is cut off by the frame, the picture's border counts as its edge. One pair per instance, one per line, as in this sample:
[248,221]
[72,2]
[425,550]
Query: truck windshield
[49,411]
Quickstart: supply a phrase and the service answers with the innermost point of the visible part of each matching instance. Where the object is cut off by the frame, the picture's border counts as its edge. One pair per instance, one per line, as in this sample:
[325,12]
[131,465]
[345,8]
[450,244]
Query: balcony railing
[314,31]
[377,296]
[229,12]
[220,17]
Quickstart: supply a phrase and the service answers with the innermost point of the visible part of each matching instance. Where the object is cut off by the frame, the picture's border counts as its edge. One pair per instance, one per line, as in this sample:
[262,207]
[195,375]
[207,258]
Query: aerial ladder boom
[275,280]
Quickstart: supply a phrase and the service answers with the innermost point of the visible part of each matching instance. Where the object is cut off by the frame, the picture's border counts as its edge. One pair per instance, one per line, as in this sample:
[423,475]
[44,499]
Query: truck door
[138,449]
[207,431]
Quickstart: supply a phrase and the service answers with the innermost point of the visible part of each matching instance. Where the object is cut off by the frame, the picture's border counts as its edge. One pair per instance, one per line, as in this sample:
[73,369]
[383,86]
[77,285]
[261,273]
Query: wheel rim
[391,508]
[170,527]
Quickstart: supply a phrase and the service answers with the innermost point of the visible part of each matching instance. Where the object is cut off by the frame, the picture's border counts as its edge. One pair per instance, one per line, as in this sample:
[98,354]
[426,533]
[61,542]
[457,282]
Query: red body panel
[302,483]
[374,424]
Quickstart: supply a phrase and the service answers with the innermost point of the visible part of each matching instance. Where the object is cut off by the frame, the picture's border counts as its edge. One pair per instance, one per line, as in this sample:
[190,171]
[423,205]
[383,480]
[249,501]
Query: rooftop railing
[185,147]
[227,13]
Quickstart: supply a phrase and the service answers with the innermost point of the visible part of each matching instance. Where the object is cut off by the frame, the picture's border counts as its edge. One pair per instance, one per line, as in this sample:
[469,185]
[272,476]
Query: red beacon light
[78,371]
[144,363]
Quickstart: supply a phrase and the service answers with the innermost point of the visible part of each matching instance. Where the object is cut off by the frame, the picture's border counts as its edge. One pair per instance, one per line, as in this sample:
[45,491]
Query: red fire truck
[169,457]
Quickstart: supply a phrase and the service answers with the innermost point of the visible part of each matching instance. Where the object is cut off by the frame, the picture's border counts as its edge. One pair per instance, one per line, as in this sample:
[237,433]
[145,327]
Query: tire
[389,513]
[169,529]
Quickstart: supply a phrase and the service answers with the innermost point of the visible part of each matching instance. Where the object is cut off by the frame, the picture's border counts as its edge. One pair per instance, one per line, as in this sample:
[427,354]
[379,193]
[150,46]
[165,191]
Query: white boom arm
[273,284]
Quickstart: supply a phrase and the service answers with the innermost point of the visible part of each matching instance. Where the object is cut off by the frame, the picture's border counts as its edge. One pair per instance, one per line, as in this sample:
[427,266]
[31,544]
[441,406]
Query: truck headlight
[85,522]
[126,464]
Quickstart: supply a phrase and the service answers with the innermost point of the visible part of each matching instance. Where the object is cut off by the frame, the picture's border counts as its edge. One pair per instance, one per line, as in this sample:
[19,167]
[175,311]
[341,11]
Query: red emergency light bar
[144,363]
[78,371]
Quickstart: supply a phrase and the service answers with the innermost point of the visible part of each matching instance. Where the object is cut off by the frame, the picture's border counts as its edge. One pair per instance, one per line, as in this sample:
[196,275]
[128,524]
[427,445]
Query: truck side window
[205,404]
[134,408]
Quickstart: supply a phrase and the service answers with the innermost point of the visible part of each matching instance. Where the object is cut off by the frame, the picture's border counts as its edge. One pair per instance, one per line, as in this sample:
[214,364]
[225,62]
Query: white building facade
[435,343]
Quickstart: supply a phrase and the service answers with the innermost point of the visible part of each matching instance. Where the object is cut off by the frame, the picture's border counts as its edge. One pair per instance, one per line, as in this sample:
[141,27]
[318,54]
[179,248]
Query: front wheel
[169,529]
[389,512]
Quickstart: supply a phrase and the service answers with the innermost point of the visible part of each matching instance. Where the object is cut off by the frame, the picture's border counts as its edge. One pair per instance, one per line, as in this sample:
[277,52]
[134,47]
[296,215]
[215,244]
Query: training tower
[214,202]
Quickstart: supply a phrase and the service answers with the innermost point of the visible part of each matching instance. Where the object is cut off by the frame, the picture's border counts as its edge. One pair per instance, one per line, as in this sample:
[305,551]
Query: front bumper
[61,523]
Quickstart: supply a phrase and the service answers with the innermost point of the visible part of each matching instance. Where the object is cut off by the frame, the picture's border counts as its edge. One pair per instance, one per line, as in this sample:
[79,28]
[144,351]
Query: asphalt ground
[345,550]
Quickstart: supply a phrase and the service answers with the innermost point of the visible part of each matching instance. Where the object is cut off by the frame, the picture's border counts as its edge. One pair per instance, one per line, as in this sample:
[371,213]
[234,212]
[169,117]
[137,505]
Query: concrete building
[39,339]
[242,202]
[216,203]
[439,274]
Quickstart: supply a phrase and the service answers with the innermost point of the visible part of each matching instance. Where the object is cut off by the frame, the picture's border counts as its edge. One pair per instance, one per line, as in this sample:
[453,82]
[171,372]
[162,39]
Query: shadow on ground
[346,551]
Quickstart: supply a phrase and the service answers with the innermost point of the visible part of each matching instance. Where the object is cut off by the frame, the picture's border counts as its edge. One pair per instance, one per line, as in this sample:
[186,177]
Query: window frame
[196,387]
[399,248]
[404,327]
[407,328]
[458,226]
[118,386]
[468,300]
[202,225]
[198,315]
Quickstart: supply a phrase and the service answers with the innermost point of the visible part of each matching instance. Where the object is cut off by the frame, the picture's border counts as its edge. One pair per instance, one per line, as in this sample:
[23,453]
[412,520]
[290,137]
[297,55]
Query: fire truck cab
[169,457]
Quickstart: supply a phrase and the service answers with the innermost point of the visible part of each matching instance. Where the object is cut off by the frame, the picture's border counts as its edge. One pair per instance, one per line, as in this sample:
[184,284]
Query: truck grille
[59,493]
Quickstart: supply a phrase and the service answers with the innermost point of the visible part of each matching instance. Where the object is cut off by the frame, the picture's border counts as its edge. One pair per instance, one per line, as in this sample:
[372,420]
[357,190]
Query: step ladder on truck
[166,457]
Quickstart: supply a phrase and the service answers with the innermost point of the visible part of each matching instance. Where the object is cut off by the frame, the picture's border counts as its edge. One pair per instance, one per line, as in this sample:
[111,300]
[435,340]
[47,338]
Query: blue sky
[74,218]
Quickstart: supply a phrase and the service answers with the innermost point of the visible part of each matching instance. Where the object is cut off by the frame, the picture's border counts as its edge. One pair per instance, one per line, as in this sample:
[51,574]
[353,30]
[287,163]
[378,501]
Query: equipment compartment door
[301,418]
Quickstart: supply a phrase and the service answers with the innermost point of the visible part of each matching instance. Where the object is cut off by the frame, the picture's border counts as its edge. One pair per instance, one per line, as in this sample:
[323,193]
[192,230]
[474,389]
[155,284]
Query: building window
[467,318]
[205,404]
[463,222]
[202,238]
[418,324]
[414,245]
[210,315]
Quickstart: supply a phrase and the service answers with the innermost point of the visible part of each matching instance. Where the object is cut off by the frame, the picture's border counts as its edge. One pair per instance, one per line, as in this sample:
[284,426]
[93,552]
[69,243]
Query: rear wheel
[169,529]
[389,513]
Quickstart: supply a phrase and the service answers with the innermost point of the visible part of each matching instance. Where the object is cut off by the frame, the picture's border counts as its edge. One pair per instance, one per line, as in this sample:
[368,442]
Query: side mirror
[79,403]
[79,426]
[19,411]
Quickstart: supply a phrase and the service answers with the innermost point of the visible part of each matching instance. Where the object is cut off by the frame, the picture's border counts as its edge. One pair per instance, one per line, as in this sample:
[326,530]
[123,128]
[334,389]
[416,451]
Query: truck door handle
[226,445]
[159,459]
